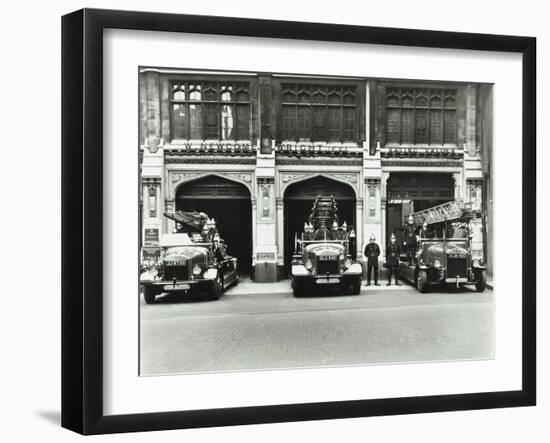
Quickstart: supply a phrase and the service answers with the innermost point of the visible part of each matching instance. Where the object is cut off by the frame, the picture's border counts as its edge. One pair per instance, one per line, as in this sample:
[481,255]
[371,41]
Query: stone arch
[179,178]
[227,201]
[287,179]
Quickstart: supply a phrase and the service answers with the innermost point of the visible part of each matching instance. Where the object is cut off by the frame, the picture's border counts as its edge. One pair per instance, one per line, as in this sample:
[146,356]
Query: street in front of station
[263,326]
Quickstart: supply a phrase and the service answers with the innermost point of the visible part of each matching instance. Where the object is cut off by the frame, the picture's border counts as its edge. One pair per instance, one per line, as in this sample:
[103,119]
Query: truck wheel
[218,288]
[422,281]
[481,280]
[149,295]
[297,290]
[356,286]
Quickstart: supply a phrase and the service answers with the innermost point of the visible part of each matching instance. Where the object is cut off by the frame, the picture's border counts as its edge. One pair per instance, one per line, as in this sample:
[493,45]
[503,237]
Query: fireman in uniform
[343,233]
[334,233]
[424,232]
[392,260]
[409,239]
[372,252]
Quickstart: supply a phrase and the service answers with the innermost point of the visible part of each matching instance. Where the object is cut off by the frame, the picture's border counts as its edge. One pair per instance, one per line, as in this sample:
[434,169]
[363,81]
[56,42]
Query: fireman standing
[392,260]
[409,239]
[372,252]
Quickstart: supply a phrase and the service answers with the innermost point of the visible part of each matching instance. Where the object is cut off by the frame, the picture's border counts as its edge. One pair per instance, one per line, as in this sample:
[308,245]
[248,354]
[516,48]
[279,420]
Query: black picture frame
[82,160]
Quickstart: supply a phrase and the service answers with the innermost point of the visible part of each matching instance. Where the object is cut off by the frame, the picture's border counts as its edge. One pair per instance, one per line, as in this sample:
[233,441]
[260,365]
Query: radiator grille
[330,266]
[457,266]
[179,272]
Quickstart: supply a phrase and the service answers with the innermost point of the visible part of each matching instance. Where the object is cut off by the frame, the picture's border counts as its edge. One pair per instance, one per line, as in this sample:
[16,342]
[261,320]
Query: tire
[297,290]
[422,281]
[237,277]
[218,288]
[481,281]
[149,295]
[356,286]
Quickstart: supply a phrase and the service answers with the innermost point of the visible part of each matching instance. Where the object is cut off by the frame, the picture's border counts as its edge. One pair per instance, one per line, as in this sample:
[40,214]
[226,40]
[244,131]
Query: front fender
[299,271]
[355,268]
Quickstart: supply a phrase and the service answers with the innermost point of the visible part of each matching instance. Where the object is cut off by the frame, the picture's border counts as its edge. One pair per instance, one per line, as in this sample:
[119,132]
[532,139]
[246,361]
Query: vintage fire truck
[193,261]
[325,253]
[445,253]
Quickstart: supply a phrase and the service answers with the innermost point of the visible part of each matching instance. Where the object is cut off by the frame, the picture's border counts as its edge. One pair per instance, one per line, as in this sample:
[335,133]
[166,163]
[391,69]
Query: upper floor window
[421,116]
[319,113]
[210,110]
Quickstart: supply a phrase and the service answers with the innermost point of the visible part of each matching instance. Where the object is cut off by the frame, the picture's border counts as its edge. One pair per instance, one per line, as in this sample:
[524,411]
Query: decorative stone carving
[184,176]
[288,178]
[153,143]
[373,184]
[148,181]
[178,177]
[266,180]
[265,191]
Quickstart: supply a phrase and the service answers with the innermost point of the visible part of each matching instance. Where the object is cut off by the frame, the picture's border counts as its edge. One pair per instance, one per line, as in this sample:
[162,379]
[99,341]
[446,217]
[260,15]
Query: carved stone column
[360,228]
[459,186]
[383,203]
[266,251]
[474,190]
[170,206]
[280,232]
[254,206]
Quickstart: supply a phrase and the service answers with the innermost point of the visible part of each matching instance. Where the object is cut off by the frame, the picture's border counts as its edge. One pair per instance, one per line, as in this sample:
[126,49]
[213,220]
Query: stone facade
[362,133]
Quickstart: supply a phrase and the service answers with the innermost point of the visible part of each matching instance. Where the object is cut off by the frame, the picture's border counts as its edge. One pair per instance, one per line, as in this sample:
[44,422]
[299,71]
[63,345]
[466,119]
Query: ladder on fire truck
[445,212]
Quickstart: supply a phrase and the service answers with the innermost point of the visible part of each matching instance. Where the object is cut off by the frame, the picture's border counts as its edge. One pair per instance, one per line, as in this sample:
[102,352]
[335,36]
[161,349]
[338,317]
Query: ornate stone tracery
[288,178]
[177,178]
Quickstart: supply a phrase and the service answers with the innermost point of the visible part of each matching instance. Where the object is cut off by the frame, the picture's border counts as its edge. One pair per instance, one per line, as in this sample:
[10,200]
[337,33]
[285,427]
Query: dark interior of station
[298,201]
[229,203]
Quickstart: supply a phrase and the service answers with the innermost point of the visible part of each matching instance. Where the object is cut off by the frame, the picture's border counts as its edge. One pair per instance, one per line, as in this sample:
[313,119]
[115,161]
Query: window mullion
[414,117]
[400,118]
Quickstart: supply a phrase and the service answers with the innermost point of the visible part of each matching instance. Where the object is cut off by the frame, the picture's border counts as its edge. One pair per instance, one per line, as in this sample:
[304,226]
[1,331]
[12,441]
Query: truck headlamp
[437,263]
[475,263]
[347,263]
[308,265]
[197,270]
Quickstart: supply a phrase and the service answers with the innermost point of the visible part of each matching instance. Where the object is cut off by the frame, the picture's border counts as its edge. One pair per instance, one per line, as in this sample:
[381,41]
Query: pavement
[263,326]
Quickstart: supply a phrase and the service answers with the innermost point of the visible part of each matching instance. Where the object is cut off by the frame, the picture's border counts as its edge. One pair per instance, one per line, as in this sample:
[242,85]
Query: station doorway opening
[229,203]
[410,192]
[298,201]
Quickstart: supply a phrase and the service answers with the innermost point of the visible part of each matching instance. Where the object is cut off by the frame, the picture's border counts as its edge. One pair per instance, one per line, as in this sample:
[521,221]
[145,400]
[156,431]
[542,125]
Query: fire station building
[253,150]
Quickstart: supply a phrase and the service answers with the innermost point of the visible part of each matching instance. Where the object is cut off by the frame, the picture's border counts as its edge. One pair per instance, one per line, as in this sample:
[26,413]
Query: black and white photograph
[309,221]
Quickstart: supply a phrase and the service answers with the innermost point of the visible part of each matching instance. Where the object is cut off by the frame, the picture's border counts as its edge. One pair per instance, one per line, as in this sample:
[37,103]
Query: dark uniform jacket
[392,254]
[409,234]
[372,251]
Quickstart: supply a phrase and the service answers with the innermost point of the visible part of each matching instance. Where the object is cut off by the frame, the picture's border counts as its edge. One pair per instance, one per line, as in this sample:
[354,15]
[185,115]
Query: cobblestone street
[262,326]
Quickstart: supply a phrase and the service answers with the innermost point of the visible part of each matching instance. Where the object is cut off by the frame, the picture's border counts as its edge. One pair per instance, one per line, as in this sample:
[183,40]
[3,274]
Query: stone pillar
[266,250]
[459,185]
[359,229]
[383,203]
[169,206]
[373,210]
[280,235]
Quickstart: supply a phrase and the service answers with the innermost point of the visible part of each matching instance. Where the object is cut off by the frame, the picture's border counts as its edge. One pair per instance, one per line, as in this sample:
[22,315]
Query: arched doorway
[230,204]
[298,201]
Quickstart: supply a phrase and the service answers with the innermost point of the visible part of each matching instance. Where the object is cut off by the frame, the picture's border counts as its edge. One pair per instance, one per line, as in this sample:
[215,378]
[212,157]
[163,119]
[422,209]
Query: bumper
[326,280]
[181,286]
